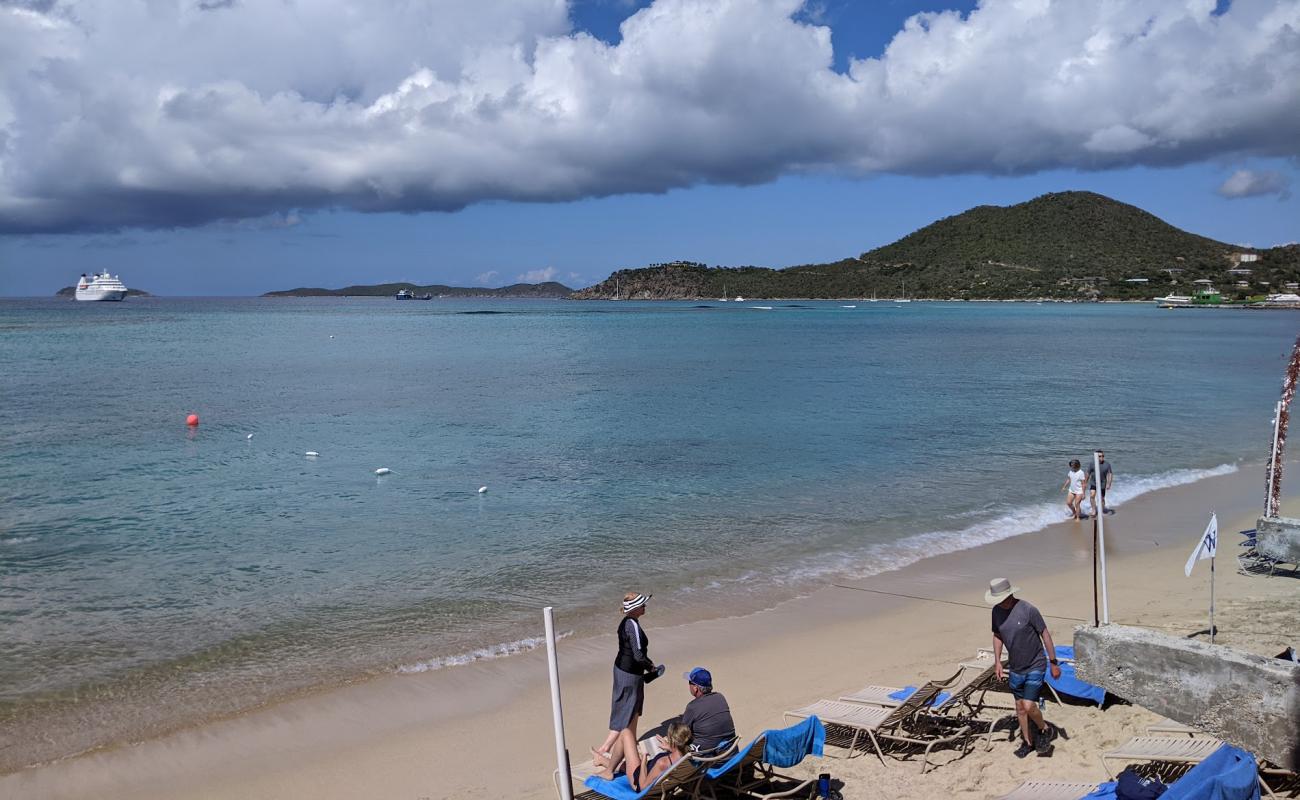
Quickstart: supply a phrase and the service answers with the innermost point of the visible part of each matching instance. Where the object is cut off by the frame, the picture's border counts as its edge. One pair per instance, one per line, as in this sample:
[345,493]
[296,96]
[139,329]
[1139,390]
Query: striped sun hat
[636,602]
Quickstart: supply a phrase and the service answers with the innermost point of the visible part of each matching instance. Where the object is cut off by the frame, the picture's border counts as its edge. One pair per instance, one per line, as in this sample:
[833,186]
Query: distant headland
[1077,246]
[550,289]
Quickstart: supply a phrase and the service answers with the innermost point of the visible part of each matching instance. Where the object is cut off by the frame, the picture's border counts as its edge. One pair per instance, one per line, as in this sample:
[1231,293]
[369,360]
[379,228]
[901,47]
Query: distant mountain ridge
[1065,246]
[549,289]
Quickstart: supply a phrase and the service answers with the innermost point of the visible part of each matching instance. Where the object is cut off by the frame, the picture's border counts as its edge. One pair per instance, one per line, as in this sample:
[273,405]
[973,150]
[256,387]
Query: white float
[482,489]
[311,454]
[383,471]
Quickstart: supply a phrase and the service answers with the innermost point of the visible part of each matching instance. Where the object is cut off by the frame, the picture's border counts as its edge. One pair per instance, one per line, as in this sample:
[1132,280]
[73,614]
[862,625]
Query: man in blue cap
[707,715]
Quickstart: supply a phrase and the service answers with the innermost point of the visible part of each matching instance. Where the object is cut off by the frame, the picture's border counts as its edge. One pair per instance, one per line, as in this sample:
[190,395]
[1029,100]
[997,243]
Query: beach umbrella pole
[1101,535]
[557,708]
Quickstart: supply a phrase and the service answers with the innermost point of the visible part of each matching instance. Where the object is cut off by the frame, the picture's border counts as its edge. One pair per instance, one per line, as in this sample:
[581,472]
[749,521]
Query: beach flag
[1206,547]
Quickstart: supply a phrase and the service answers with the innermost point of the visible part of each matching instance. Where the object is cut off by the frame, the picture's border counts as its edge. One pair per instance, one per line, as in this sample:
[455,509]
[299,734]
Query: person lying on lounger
[641,772]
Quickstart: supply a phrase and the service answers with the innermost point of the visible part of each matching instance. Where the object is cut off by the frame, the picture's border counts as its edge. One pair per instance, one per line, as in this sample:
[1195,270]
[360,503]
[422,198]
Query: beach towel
[1105,791]
[1070,684]
[908,691]
[788,746]
[620,788]
[1230,773]
[1065,652]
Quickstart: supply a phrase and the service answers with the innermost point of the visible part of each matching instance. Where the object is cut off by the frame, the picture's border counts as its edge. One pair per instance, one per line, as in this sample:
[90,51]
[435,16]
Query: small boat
[404,294]
[723,299]
[426,296]
[848,306]
[1174,301]
[100,287]
[739,299]
[903,299]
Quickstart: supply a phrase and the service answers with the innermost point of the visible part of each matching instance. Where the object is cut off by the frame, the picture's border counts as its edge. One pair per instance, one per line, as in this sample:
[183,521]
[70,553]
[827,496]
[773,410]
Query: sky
[233,147]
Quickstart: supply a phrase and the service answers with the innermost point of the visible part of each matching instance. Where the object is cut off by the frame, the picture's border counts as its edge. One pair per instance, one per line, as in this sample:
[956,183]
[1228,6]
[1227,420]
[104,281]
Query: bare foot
[599,759]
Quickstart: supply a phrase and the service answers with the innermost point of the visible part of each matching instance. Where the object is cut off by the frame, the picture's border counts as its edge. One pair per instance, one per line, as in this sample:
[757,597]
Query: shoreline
[343,742]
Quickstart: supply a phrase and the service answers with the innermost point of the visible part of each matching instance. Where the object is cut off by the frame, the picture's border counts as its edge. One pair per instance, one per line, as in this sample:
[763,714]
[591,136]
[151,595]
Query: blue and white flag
[1206,547]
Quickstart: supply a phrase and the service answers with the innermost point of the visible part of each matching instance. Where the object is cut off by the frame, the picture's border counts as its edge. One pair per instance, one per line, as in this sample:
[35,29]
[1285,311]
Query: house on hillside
[1244,258]
[1240,271]
[1137,280]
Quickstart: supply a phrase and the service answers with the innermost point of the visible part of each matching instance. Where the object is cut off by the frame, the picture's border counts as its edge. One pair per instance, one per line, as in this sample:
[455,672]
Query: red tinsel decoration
[1284,416]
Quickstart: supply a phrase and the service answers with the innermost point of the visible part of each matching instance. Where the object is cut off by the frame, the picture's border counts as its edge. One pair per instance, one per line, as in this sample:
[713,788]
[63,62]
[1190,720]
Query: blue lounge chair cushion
[908,691]
[1230,773]
[1069,684]
[788,746]
[1105,791]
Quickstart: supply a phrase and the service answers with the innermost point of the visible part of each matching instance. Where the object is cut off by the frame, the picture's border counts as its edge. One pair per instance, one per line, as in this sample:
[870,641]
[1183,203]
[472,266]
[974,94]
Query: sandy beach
[484,729]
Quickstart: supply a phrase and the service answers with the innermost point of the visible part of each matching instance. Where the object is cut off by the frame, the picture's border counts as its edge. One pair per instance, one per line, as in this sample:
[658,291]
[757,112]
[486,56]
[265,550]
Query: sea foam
[481,654]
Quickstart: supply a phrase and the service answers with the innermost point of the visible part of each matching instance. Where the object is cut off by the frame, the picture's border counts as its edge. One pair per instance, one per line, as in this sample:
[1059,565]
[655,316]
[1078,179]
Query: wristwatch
[1054,661]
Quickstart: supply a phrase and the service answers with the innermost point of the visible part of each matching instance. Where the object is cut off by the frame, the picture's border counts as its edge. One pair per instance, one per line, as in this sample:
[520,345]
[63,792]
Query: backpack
[1132,786]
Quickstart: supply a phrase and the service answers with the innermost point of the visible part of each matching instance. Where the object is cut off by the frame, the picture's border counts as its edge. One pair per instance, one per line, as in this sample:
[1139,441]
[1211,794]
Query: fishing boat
[404,294]
[100,287]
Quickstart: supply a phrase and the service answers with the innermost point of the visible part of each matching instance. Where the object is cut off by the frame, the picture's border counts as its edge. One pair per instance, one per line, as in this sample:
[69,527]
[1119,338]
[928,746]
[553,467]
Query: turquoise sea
[718,455]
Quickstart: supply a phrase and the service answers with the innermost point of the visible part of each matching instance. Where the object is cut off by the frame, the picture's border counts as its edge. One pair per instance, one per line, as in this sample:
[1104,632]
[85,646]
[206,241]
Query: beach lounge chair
[1168,726]
[754,765]
[683,776]
[1167,749]
[1049,790]
[907,726]
[888,696]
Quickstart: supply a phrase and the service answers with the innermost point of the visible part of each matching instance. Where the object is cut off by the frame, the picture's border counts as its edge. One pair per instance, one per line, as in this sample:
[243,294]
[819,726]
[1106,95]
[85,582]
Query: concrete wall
[1278,538]
[1248,700]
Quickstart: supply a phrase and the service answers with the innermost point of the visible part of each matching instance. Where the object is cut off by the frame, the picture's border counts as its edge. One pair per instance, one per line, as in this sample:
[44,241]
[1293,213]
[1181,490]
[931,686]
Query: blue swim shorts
[1026,686]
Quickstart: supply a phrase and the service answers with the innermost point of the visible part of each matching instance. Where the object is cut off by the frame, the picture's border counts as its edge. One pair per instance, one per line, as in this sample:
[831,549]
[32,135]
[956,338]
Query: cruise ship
[100,287]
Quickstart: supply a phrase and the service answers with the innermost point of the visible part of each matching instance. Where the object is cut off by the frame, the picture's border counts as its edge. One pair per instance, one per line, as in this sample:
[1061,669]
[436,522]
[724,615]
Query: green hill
[550,289]
[1068,246]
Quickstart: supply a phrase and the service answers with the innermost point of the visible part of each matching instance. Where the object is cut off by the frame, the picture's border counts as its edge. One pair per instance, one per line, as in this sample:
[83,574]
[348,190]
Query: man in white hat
[1019,627]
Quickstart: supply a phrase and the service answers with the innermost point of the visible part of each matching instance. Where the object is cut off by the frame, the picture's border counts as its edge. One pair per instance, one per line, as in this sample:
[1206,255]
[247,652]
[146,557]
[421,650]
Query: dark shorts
[1027,685]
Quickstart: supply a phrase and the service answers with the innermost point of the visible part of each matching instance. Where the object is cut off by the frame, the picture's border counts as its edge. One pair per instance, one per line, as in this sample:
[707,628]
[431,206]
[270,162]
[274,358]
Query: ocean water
[714,454]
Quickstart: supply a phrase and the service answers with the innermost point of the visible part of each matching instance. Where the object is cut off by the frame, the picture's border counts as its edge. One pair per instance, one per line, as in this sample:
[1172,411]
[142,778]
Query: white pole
[1097,505]
[557,710]
[1272,460]
[1212,599]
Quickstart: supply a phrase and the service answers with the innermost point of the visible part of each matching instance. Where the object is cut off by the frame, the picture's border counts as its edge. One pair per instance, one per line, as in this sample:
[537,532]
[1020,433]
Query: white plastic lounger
[1049,790]
[857,717]
[1175,750]
[1167,726]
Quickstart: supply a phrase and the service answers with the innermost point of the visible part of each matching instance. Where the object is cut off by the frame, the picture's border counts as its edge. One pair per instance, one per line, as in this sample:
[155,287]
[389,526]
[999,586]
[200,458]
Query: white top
[1076,481]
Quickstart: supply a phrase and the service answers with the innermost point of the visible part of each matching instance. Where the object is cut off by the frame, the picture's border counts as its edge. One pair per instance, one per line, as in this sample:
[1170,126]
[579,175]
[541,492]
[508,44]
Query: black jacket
[633,656]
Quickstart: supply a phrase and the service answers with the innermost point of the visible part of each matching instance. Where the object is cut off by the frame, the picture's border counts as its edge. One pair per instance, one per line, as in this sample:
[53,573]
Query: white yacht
[100,287]
[1174,301]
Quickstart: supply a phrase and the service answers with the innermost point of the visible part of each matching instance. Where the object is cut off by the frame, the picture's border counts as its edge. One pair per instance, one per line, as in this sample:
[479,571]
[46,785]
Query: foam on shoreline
[501,650]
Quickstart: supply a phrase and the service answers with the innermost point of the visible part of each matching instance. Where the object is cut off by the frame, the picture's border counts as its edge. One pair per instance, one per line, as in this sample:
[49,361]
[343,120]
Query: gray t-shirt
[1105,476]
[709,718]
[1020,630]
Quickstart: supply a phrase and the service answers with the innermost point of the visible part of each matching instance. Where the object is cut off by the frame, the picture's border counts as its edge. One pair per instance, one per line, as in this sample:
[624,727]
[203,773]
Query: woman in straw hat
[633,669]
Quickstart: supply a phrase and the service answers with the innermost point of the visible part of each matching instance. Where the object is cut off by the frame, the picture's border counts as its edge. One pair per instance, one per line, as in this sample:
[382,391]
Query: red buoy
[192,420]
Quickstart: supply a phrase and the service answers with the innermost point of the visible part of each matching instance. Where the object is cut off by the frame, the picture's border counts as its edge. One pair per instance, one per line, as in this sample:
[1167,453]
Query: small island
[532,291]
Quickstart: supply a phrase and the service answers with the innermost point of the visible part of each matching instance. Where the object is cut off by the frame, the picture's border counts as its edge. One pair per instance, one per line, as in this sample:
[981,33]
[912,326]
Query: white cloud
[248,109]
[1251,183]
[539,275]
[487,278]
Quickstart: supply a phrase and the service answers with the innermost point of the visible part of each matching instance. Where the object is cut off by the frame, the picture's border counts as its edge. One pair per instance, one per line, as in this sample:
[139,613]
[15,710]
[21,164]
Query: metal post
[557,709]
[1101,535]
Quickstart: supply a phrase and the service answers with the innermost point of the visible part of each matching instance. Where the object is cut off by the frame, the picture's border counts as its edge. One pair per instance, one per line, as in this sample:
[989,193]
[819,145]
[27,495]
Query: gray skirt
[629,696]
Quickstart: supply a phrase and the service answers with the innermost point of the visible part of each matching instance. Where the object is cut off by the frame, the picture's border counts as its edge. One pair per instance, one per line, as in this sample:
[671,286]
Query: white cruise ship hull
[93,294]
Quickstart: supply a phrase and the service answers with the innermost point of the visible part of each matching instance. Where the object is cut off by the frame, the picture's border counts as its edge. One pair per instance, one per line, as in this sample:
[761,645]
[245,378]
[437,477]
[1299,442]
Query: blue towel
[1069,684]
[908,691]
[620,788]
[1230,773]
[793,733]
[1105,791]
[788,746]
[1065,652]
